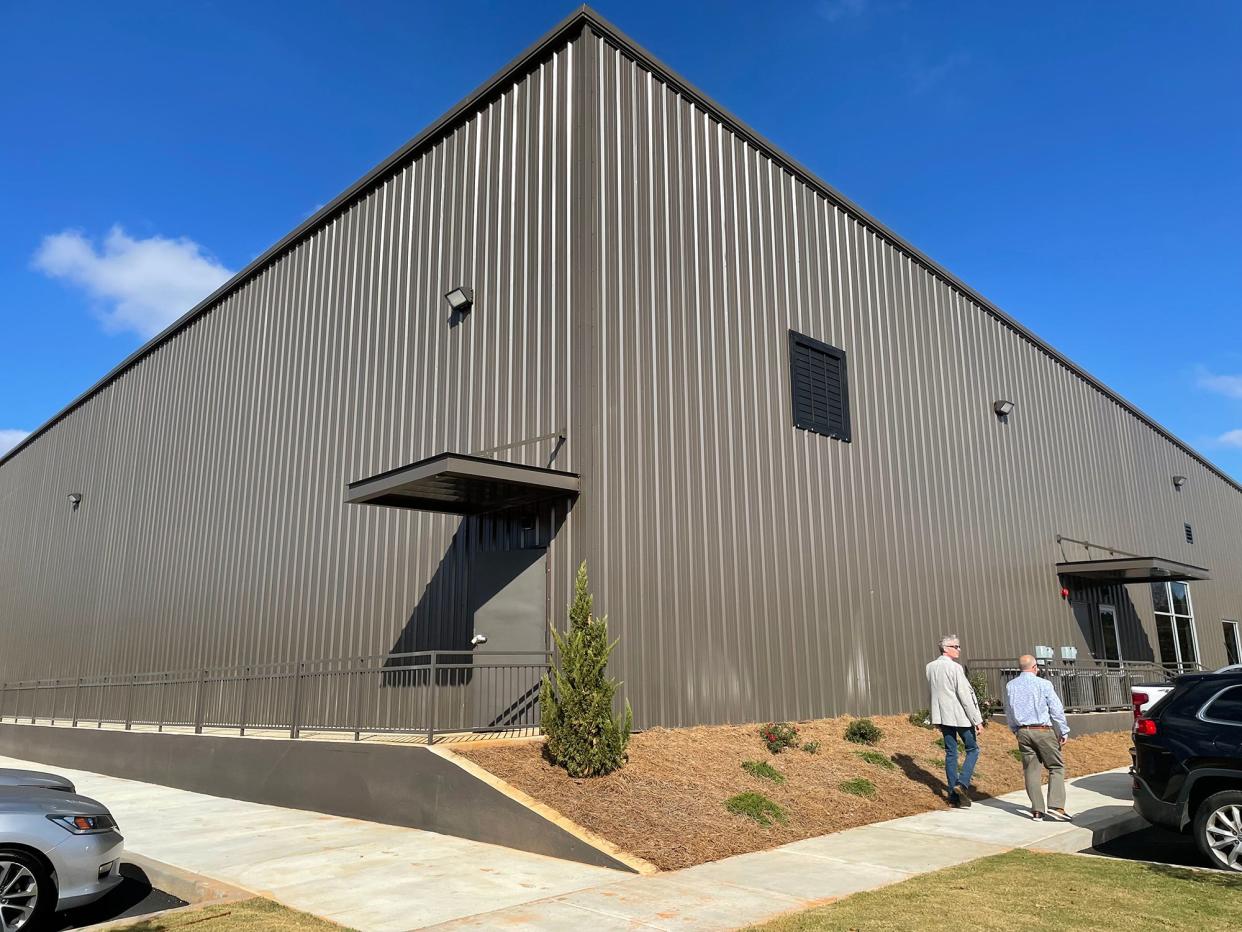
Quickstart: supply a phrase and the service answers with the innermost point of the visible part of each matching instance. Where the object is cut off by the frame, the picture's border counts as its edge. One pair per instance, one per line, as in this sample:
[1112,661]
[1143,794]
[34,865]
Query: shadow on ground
[133,896]
[1113,785]
[1168,849]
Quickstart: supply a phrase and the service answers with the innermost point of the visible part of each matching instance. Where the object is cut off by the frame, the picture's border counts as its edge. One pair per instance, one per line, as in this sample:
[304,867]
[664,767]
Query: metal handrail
[1086,686]
[410,692]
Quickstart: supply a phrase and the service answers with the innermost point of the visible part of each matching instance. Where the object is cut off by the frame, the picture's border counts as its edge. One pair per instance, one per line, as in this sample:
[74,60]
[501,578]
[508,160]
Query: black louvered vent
[1190,534]
[821,397]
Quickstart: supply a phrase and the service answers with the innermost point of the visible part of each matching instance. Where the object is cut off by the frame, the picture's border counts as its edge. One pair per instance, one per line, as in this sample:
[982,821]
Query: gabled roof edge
[793,166]
[559,33]
[575,21]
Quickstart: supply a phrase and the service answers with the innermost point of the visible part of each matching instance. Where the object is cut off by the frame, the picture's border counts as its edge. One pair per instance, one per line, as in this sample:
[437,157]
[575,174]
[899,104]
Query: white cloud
[10,438]
[1228,385]
[1230,438]
[141,285]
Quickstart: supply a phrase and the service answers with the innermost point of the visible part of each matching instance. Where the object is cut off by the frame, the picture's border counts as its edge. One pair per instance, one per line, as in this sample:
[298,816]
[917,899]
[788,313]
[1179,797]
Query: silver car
[58,850]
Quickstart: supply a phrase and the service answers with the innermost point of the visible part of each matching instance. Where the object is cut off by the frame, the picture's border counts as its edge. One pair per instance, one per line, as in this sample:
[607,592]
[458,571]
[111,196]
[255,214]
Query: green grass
[940,744]
[763,770]
[1023,890]
[756,806]
[257,915]
[875,757]
[859,786]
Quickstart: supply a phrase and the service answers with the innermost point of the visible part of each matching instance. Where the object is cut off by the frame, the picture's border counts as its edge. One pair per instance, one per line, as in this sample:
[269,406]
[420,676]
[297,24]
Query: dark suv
[1188,764]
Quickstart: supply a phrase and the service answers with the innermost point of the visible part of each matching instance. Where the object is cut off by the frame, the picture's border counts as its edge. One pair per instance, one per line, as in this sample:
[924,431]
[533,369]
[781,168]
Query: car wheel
[27,894]
[1218,829]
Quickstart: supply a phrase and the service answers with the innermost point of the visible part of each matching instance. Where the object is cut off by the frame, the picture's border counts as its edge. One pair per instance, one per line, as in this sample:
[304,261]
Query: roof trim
[586,18]
[559,33]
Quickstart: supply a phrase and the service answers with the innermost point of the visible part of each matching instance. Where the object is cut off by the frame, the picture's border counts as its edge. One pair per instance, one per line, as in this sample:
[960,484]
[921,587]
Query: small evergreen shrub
[756,806]
[763,770]
[961,747]
[863,731]
[811,747]
[875,757]
[575,702]
[1016,753]
[779,735]
[920,718]
[860,786]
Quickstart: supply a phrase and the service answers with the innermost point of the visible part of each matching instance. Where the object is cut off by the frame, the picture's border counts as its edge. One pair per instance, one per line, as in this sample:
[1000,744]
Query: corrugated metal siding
[636,266]
[212,529]
[756,570]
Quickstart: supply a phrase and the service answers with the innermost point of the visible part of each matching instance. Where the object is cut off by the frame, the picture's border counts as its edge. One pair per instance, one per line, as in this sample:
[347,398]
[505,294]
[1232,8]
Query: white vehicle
[58,850]
[1145,695]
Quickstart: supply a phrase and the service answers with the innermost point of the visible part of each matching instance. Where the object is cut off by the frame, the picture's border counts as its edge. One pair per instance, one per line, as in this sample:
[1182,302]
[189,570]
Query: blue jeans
[951,734]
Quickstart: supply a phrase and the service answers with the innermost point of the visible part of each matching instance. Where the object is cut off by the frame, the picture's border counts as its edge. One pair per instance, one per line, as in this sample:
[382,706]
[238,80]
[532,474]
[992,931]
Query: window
[1190,534]
[1226,707]
[1175,623]
[1233,642]
[820,388]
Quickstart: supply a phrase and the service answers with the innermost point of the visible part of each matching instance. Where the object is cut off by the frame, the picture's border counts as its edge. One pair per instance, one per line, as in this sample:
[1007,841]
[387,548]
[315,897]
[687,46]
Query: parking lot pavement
[1155,844]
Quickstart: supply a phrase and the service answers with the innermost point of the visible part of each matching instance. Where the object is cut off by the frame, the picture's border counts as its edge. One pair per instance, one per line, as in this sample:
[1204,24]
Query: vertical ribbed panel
[759,571]
[637,267]
[212,528]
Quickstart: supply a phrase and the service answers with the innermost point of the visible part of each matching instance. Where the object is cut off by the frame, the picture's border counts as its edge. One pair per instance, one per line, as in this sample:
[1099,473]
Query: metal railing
[426,692]
[1090,686]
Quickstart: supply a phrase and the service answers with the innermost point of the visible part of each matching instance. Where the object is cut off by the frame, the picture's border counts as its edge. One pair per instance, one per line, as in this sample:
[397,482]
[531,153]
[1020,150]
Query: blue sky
[1078,163]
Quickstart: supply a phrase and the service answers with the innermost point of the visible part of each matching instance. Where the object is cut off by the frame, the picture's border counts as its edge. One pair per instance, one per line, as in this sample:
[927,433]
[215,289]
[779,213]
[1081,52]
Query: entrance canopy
[1131,570]
[459,484]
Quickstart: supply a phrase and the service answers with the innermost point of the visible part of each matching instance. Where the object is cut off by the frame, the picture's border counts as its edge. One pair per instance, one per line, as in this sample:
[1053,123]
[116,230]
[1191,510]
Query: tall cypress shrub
[575,701]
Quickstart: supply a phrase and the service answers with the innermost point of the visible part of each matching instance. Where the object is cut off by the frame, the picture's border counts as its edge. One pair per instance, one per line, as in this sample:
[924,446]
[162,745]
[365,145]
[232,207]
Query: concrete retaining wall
[1089,723]
[397,785]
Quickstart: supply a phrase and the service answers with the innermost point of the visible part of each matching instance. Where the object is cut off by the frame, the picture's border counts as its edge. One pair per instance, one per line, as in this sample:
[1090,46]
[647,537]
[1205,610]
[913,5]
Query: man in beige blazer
[955,708]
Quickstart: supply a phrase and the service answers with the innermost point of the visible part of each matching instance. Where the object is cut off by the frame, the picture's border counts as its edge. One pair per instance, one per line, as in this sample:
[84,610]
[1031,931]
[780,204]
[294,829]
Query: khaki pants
[1041,749]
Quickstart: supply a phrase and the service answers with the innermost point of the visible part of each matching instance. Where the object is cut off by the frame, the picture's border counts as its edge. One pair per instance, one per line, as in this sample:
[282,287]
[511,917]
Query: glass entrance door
[1110,638]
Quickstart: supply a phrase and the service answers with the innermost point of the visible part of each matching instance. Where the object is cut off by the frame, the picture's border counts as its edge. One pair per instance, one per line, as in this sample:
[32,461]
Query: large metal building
[590,315]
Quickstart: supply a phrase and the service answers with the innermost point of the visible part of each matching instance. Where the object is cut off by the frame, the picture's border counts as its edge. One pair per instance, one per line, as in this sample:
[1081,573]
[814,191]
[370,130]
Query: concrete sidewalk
[752,888]
[368,876]
[384,878]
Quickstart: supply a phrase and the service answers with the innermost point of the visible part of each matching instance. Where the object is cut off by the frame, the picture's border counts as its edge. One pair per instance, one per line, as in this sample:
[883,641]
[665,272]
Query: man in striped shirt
[1037,717]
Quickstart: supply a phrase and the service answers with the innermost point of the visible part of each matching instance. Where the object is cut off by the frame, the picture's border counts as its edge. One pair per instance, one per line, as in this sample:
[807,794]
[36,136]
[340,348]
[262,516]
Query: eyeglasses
[954,646]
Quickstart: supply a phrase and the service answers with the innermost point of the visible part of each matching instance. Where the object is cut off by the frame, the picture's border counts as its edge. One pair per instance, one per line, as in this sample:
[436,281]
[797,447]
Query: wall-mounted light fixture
[460,300]
[1002,408]
[75,499]
[1178,482]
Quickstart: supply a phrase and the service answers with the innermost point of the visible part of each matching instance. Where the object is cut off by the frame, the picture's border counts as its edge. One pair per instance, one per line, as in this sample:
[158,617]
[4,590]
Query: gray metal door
[508,602]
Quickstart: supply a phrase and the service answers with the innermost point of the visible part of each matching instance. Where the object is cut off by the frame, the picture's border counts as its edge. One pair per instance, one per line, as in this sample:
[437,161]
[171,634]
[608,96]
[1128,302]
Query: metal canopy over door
[508,603]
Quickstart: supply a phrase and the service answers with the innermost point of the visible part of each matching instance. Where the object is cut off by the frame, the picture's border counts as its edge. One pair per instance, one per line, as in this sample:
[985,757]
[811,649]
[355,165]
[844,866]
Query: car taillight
[1139,700]
[1145,726]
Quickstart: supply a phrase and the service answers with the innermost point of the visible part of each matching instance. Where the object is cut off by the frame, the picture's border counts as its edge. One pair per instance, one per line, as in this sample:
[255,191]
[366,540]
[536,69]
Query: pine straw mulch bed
[667,804]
